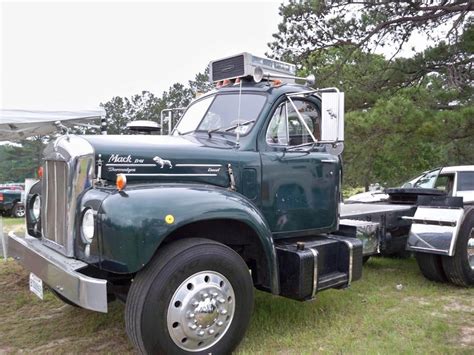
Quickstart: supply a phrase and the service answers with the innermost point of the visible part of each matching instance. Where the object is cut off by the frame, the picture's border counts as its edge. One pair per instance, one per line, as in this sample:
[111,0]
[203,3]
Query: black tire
[431,266]
[151,295]
[18,210]
[457,267]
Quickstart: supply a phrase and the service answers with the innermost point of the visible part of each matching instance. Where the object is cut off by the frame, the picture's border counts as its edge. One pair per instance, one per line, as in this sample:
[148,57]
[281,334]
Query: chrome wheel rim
[470,249]
[20,211]
[201,311]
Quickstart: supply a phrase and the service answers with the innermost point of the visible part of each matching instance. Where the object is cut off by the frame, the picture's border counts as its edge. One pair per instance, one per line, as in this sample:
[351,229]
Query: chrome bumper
[59,272]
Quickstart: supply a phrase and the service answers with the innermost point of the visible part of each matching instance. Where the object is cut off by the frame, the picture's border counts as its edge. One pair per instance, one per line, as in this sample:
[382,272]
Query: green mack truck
[244,193]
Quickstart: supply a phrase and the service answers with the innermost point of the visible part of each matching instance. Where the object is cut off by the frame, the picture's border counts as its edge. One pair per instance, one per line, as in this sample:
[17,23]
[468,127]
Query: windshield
[221,112]
[428,180]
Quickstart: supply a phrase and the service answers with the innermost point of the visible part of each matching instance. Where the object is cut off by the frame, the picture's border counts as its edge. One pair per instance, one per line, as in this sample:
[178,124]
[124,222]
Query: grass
[15,224]
[373,316]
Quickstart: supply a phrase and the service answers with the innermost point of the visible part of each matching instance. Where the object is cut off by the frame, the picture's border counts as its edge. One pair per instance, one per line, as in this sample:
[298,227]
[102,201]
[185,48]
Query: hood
[164,158]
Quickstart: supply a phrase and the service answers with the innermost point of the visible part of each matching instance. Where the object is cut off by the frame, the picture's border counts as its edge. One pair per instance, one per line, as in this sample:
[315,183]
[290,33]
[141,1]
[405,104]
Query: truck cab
[243,193]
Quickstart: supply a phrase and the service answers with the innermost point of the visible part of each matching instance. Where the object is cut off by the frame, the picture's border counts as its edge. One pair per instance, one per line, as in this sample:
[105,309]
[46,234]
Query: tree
[18,162]
[147,106]
[310,25]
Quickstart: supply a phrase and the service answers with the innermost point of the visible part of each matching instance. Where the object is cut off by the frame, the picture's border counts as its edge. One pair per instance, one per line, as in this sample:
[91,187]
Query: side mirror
[332,117]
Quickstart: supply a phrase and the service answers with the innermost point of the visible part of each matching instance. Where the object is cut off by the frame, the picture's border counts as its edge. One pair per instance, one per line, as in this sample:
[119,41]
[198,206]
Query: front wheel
[195,296]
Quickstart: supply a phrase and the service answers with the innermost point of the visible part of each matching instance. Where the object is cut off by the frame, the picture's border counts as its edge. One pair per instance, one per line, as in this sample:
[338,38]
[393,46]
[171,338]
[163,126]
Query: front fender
[135,222]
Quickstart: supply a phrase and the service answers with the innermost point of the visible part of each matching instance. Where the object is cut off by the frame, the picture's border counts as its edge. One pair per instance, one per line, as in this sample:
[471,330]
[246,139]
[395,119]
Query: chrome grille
[55,209]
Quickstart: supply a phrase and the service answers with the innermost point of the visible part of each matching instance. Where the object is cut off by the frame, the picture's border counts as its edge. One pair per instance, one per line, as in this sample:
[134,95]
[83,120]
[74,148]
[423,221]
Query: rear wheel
[18,210]
[459,268]
[195,296]
[431,266]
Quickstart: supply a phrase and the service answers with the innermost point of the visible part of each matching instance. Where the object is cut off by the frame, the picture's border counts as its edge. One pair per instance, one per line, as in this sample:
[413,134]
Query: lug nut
[219,323]
[214,294]
[224,311]
[221,300]
[190,315]
[211,331]
[192,326]
[205,295]
[201,333]
[195,303]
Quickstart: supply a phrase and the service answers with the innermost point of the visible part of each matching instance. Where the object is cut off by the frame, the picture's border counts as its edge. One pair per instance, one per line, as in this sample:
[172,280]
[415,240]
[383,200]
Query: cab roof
[262,87]
[455,169]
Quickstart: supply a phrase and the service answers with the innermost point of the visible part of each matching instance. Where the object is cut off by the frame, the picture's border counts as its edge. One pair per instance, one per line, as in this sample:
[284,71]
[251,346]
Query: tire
[18,210]
[457,267]
[170,298]
[431,266]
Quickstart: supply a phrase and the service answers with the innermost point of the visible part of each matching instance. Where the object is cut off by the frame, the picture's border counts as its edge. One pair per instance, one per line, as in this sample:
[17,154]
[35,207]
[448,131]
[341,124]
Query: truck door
[300,184]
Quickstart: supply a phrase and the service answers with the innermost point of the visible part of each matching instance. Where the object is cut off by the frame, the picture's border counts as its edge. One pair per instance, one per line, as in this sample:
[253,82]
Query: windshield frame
[222,129]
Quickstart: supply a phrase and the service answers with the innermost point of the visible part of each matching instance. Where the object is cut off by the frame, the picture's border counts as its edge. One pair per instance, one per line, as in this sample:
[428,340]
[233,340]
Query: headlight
[87,226]
[36,209]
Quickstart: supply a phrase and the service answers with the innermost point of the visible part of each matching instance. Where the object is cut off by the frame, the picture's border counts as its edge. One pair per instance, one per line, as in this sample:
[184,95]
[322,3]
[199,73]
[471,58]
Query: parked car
[455,180]
[11,202]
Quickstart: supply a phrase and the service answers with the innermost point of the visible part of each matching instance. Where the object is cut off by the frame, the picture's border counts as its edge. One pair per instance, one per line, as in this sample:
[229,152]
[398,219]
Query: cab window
[286,126]
[466,181]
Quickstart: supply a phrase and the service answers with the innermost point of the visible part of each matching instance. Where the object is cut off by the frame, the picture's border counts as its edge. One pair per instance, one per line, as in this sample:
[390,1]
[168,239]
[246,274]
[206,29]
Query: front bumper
[59,272]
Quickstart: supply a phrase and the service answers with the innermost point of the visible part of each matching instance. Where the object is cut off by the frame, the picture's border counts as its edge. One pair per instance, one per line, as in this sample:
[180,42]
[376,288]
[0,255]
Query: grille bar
[55,208]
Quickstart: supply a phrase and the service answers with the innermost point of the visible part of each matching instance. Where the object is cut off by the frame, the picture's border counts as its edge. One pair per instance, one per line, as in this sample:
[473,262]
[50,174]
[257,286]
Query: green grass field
[373,316]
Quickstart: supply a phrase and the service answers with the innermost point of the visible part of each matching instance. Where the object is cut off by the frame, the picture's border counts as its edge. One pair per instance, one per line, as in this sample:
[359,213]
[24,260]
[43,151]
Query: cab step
[311,264]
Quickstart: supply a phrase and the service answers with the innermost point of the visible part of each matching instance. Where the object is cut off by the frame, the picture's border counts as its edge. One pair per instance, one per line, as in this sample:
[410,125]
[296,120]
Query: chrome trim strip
[429,249]
[59,272]
[170,174]
[130,165]
[200,165]
[315,272]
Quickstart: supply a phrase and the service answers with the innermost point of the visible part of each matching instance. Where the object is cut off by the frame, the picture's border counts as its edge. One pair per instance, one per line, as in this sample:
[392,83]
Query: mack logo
[162,162]
[116,158]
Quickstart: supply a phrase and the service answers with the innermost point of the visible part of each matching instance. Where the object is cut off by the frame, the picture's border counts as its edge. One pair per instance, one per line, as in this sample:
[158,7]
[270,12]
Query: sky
[75,55]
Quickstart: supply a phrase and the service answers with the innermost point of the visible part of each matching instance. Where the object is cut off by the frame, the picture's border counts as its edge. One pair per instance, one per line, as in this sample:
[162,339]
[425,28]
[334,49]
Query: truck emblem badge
[162,162]
[116,158]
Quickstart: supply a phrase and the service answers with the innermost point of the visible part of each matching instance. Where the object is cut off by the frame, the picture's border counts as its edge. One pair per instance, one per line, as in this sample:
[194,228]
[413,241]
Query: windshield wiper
[229,128]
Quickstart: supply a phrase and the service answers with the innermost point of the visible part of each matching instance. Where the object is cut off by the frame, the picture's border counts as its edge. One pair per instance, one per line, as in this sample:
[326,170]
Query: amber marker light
[40,172]
[121,181]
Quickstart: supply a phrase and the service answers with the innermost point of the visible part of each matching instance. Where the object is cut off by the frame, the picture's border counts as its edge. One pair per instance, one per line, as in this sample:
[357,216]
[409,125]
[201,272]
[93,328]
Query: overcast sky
[75,55]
